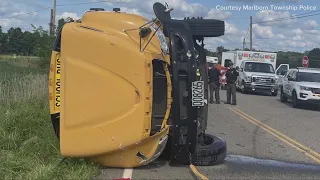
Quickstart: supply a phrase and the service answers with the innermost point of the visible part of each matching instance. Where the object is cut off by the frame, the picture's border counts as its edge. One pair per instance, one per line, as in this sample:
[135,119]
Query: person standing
[214,83]
[231,75]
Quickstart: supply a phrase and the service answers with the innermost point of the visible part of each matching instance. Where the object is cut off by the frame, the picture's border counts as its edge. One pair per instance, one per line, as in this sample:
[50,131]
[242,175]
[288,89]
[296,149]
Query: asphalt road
[266,139]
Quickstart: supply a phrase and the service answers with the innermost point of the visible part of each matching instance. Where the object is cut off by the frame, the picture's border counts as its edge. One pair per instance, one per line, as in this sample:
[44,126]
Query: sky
[270,32]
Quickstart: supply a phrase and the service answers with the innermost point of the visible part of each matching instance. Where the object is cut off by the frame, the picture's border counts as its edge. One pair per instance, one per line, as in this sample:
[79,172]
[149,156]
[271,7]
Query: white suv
[301,85]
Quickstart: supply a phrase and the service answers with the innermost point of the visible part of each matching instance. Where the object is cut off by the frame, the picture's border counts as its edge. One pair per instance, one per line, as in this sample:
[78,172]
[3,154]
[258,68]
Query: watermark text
[267,7]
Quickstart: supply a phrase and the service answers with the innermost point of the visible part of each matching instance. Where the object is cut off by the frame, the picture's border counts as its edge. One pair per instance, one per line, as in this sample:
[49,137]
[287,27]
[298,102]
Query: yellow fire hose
[197,173]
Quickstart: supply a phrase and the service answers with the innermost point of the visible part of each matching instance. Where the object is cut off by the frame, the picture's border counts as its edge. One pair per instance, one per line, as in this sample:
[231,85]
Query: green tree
[29,41]
[38,42]
[209,53]
[314,58]
[15,44]
[3,42]
[219,51]
[43,45]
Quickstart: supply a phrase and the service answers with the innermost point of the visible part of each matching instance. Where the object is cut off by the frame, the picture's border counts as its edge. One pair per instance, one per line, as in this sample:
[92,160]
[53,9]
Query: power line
[247,33]
[8,17]
[262,39]
[14,16]
[292,18]
[236,18]
[281,19]
[22,2]
[251,33]
[293,15]
[75,4]
[49,7]
[6,5]
[71,4]
[244,39]
[289,18]
[31,4]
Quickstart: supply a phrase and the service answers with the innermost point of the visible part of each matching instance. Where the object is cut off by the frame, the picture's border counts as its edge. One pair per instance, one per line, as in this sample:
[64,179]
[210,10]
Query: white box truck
[256,70]
[211,61]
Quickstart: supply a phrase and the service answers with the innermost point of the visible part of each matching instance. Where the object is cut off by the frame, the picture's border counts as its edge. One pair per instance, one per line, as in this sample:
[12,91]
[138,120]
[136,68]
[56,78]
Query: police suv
[301,85]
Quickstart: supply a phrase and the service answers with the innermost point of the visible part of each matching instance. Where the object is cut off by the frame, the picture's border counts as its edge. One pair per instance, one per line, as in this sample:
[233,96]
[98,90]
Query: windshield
[308,77]
[258,67]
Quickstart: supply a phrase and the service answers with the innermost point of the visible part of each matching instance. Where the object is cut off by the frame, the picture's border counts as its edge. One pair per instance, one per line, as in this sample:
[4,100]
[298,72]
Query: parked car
[301,85]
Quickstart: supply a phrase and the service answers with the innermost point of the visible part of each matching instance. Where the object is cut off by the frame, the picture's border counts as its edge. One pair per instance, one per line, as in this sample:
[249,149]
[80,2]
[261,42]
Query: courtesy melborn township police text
[268,7]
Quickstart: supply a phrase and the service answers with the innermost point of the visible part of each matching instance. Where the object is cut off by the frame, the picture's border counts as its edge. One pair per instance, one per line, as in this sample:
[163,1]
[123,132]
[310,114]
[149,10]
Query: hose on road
[197,173]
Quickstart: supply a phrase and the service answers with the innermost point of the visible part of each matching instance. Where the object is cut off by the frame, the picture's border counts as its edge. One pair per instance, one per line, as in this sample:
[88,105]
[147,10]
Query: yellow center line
[307,151]
[197,173]
[284,136]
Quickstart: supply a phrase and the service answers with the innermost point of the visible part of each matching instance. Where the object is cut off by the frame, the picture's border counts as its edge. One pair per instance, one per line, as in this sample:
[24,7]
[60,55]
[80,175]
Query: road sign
[305,61]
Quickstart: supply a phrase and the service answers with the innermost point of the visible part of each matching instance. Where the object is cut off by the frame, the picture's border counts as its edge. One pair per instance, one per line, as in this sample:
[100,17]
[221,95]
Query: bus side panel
[54,83]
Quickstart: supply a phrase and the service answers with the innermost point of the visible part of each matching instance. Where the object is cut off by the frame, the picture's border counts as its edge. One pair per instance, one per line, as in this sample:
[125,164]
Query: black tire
[242,89]
[282,96]
[296,103]
[206,27]
[274,93]
[212,152]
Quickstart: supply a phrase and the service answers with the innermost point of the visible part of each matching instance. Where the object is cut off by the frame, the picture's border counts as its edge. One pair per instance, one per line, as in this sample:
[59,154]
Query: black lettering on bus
[58,66]
[58,82]
[58,61]
[58,86]
[58,90]
[58,104]
[58,101]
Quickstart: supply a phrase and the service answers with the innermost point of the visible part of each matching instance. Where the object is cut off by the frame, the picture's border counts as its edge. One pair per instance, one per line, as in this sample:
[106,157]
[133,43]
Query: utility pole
[244,42]
[54,13]
[53,19]
[51,23]
[250,33]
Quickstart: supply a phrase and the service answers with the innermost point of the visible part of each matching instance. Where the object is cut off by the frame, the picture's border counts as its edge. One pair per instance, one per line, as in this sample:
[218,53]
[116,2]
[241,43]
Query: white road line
[127,173]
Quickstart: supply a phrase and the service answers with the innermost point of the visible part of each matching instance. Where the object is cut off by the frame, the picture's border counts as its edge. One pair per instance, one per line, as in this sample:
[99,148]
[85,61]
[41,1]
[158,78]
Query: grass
[18,57]
[28,147]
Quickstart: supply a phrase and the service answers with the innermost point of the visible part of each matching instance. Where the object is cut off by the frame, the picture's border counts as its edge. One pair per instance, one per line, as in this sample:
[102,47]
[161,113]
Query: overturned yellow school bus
[121,94]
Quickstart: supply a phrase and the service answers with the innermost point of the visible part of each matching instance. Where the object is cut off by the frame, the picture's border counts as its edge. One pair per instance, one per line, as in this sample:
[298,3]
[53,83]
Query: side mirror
[290,79]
